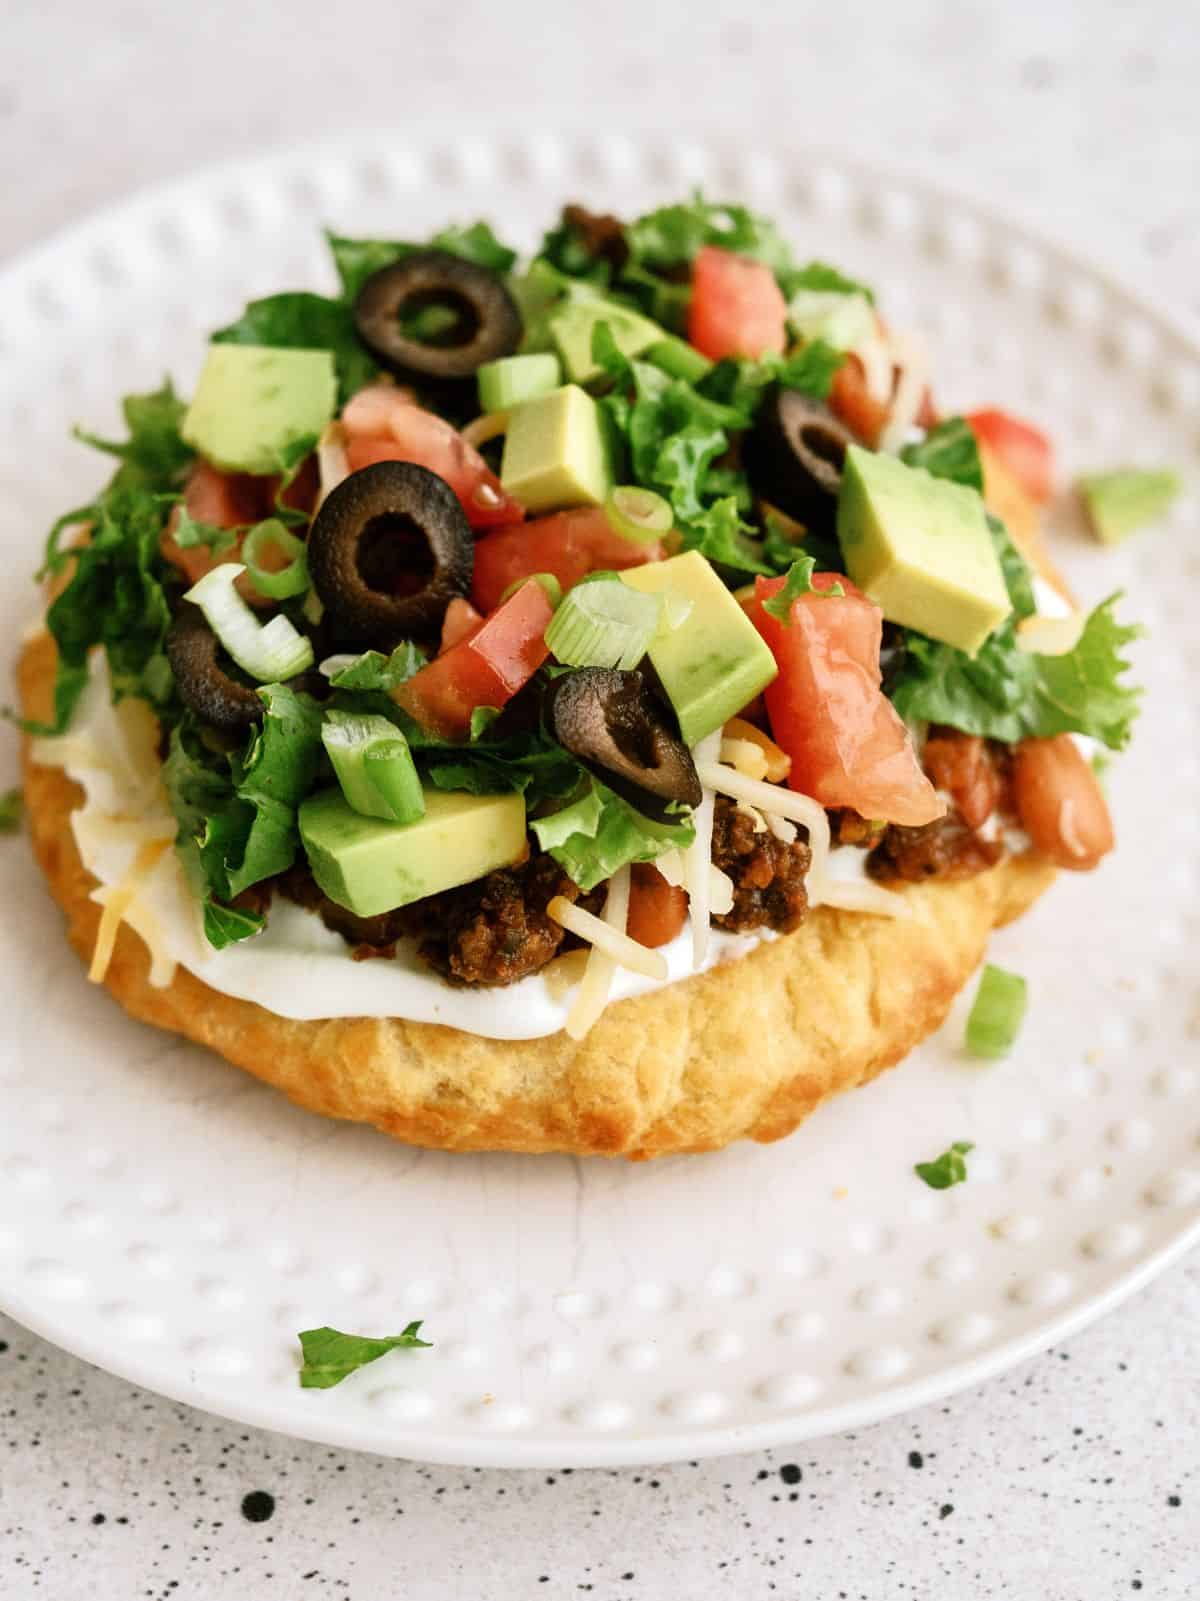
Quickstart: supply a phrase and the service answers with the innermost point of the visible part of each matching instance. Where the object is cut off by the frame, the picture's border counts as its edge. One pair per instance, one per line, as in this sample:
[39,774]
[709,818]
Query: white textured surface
[986,91]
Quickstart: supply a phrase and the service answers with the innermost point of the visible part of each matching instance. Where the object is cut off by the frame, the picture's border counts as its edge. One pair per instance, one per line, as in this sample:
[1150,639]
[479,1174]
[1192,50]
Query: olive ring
[486,326]
[203,684]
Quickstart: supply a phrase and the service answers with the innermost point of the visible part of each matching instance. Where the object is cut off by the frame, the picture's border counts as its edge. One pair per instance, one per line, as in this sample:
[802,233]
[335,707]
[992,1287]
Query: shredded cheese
[333,467]
[911,358]
[745,755]
[117,901]
[781,828]
[564,972]
[602,934]
[771,799]
[720,892]
[489,426]
[779,763]
[698,859]
[863,896]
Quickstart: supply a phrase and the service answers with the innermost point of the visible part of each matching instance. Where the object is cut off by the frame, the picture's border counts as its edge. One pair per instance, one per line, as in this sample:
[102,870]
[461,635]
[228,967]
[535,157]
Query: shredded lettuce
[950,450]
[1008,694]
[948,1169]
[373,671]
[798,582]
[599,832]
[236,811]
[329,1356]
[672,235]
[154,455]
[820,276]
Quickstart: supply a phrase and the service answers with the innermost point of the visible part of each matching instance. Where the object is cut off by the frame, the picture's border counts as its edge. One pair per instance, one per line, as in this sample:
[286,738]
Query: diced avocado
[921,548]
[252,403]
[678,359]
[371,866]
[716,660]
[555,453]
[506,383]
[572,329]
[1119,503]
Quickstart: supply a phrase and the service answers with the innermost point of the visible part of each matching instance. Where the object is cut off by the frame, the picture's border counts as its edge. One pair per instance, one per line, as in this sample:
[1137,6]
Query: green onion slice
[548,582]
[374,766]
[604,624]
[997,1013]
[270,652]
[277,582]
[638,514]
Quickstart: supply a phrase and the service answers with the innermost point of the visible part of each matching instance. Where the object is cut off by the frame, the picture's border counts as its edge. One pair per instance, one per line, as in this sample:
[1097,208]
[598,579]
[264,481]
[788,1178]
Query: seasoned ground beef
[496,930]
[848,827]
[945,848]
[491,932]
[768,875]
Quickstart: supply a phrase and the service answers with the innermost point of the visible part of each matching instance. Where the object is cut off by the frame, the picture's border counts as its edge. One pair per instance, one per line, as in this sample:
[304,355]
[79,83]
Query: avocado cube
[253,403]
[1119,503]
[555,453]
[715,661]
[572,329]
[921,549]
[372,866]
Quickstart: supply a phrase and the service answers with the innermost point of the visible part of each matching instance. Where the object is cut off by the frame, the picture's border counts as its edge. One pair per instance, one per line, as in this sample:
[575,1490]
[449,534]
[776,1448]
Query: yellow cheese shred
[116,901]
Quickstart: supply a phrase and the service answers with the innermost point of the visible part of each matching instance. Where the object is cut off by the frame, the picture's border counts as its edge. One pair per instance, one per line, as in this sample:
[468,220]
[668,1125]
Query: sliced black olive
[795,455]
[388,552]
[481,320]
[203,684]
[620,732]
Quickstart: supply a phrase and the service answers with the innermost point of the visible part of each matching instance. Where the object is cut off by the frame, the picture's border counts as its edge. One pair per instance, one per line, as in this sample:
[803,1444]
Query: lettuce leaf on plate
[598,833]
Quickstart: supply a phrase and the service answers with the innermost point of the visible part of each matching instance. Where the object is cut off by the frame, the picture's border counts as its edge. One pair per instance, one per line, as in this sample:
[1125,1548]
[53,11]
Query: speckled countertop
[1075,1478]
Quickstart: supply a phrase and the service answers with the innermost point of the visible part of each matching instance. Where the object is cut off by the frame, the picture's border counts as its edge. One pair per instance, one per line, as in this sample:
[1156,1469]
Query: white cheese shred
[117,901]
[863,896]
[488,426]
[912,361]
[333,467]
[773,800]
[698,857]
[611,948]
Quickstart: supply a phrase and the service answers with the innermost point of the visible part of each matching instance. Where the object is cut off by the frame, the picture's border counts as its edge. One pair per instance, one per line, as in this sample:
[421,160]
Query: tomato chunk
[1022,448]
[460,622]
[852,401]
[737,308]
[485,669]
[569,544]
[827,710]
[383,424]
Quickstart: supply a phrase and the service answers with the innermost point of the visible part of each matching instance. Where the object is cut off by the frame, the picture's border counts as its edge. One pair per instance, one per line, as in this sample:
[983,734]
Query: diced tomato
[853,402]
[1021,447]
[223,500]
[737,308]
[848,746]
[460,622]
[657,910]
[382,424]
[569,544]
[486,669]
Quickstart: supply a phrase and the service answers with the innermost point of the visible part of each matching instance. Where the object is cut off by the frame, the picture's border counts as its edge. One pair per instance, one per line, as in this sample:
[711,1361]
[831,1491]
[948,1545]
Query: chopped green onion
[549,583]
[272,652]
[374,766]
[678,359]
[277,583]
[997,1014]
[638,514]
[604,624]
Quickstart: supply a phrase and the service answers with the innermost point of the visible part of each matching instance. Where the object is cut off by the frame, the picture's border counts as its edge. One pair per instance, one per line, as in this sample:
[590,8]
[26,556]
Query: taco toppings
[496,611]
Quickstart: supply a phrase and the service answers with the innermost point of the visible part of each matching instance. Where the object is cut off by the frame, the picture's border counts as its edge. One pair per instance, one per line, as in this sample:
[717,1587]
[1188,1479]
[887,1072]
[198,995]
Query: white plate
[170,1219]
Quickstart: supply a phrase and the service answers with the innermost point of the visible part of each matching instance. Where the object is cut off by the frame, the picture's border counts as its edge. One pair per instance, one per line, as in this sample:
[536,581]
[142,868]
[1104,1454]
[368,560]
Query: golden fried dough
[746,1050]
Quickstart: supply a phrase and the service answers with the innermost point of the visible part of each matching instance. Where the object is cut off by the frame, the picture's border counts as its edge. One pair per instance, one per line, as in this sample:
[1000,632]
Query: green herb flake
[12,809]
[329,1356]
[948,1169]
[188,534]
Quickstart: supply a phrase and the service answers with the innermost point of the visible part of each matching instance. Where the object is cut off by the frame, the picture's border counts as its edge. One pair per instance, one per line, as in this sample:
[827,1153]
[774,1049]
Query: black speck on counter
[1174,1500]
[258,1506]
[790,1473]
[945,1509]
[98,1518]
[915,1459]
